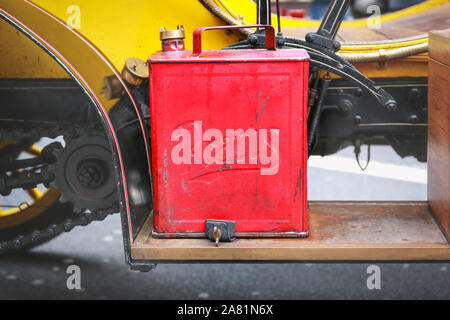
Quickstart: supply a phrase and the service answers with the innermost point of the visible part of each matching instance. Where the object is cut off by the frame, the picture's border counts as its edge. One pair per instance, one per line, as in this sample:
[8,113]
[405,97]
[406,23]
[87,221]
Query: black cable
[257,13]
[278,18]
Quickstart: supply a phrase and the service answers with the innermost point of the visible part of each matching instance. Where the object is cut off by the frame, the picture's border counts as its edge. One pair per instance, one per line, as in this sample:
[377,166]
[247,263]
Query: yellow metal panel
[395,68]
[122,29]
[22,58]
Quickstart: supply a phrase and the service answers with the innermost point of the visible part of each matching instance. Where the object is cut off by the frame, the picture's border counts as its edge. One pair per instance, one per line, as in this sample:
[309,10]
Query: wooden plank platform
[340,231]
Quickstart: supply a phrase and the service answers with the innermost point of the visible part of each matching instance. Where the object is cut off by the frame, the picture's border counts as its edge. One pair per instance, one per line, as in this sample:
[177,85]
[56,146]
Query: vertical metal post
[264,11]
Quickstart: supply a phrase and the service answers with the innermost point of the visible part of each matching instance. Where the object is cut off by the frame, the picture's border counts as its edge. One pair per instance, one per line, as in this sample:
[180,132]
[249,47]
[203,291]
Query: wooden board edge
[439,253]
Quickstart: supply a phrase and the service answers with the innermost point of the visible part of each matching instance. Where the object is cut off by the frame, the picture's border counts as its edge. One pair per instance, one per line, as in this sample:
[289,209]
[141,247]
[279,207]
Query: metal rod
[278,18]
[264,11]
[333,17]
[317,112]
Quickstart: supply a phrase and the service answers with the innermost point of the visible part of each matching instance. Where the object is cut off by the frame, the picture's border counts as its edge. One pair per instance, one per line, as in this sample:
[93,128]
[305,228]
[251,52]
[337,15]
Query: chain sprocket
[17,130]
[84,172]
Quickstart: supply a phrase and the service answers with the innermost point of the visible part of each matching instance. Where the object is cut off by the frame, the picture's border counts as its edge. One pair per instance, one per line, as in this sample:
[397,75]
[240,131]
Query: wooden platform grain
[341,231]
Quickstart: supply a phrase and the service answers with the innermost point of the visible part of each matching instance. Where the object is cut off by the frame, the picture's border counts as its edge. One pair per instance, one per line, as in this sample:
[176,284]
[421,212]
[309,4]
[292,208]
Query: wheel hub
[84,173]
[91,174]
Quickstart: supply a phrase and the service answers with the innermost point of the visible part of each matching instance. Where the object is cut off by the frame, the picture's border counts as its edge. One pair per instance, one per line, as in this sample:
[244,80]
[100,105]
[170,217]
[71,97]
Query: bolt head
[391,106]
[413,118]
[280,42]
[253,39]
[336,46]
[414,93]
[345,105]
[358,92]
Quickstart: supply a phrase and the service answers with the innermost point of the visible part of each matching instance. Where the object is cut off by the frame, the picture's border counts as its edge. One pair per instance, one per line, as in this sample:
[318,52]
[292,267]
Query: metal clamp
[219,230]
[330,25]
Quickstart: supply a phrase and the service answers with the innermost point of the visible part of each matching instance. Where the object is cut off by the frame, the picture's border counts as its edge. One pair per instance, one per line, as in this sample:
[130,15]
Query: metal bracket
[327,60]
[219,230]
[329,27]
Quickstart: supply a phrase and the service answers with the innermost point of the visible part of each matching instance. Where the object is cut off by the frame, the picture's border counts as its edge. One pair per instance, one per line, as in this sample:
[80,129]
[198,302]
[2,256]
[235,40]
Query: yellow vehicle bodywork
[122,29]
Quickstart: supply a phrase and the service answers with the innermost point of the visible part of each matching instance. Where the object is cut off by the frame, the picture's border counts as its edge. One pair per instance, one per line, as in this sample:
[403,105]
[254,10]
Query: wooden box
[439,128]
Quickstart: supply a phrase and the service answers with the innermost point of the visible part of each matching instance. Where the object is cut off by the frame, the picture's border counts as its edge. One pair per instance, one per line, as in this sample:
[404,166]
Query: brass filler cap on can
[165,34]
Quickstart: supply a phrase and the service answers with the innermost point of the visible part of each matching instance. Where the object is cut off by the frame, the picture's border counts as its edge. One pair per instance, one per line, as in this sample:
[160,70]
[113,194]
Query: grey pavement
[97,249]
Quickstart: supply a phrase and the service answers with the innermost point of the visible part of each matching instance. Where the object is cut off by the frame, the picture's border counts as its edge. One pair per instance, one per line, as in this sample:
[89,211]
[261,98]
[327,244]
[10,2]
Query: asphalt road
[97,250]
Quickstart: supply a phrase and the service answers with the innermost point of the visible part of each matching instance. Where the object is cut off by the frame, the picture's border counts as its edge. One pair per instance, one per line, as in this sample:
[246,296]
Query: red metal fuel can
[228,139]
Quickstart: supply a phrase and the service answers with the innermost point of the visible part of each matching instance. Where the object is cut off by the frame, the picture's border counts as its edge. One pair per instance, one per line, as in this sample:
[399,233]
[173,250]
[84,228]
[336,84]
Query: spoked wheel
[24,210]
[12,216]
